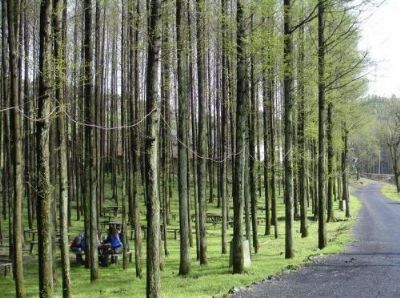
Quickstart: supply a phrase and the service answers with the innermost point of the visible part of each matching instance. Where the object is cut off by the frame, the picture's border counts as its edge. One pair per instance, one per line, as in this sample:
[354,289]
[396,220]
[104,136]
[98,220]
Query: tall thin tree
[321,127]
[42,152]
[15,129]
[153,101]
[59,58]
[242,98]
[288,122]
[182,46]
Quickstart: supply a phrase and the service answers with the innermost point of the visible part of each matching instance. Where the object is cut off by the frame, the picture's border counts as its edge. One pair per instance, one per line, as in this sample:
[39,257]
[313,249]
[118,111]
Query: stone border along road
[370,267]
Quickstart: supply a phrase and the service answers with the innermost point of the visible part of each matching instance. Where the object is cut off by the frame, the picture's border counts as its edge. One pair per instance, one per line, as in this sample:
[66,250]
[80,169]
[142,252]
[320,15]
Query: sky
[380,36]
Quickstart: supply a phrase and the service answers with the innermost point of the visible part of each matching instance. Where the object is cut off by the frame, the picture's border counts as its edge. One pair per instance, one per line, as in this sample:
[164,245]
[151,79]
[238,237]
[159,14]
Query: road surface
[369,268]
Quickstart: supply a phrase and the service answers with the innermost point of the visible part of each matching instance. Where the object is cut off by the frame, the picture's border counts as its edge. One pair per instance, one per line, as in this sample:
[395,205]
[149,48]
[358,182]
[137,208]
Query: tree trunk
[182,46]
[253,118]
[301,150]
[16,139]
[331,216]
[59,55]
[321,127]
[202,134]
[345,187]
[90,144]
[134,113]
[242,98]
[44,224]
[224,99]
[267,149]
[153,101]
[288,120]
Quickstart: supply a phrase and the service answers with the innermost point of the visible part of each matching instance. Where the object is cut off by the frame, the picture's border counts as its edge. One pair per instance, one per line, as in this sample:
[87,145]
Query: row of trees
[376,146]
[233,99]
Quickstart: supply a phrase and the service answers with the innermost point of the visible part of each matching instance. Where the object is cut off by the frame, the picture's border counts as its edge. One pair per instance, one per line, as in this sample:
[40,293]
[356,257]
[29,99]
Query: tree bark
[153,101]
[202,134]
[301,150]
[90,144]
[242,98]
[288,121]
[42,152]
[321,127]
[59,55]
[16,139]
[331,216]
[345,187]
[182,47]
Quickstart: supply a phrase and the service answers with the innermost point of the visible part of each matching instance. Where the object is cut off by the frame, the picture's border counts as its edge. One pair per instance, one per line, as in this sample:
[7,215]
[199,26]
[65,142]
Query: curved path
[369,268]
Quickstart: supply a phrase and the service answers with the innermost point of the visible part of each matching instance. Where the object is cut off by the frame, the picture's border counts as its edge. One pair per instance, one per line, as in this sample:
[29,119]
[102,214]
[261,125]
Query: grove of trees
[173,108]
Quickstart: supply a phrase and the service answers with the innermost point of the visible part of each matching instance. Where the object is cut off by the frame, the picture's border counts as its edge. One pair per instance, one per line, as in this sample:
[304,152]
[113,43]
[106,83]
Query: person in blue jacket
[115,241]
[79,243]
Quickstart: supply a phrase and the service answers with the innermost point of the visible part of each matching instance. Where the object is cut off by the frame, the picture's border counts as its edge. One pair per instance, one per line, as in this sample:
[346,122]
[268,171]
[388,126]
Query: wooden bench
[7,267]
[174,216]
[213,219]
[78,257]
[32,245]
[114,257]
[143,230]
[175,231]
[56,241]
[260,220]
[111,210]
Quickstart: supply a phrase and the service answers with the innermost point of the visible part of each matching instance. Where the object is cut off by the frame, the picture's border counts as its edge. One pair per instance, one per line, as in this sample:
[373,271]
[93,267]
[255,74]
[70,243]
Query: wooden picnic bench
[7,265]
[111,210]
[114,256]
[32,244]
[260,220]
[79,257]
[214,218]
[176,231]
[174,216]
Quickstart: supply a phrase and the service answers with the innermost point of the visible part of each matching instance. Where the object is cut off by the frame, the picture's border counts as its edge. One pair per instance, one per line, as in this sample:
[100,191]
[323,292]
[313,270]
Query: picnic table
[111,210]
[174,216]
[56,240]
[30,232]
[6,265]
[214,218]
[260,219]
[110,224]
[175,231]
[104,223]
[106,254]
[33,241]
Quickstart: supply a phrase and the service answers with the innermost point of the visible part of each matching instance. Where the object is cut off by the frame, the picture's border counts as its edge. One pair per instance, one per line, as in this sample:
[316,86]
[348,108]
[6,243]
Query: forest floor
[370,266]
[215,279]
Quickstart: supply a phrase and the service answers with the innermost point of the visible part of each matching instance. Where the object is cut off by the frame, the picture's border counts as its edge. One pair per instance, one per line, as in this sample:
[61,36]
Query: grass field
[204,281]
[390,191]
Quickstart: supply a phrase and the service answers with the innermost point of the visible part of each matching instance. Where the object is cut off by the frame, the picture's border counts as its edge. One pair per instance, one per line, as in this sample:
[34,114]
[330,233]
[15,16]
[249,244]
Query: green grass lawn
[390,191]
[204,281]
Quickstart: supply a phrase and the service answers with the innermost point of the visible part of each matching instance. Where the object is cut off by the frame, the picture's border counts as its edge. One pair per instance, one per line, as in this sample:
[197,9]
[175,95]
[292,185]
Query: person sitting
[78,245]
[114,240]
[120,234]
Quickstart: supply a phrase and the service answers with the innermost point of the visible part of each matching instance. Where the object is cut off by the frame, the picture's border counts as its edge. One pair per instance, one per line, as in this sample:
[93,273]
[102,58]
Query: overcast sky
[381,37]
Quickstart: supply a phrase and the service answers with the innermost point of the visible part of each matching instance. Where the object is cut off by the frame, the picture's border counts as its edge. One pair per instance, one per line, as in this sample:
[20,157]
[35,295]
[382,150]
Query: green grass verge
[204,281]
[390,191]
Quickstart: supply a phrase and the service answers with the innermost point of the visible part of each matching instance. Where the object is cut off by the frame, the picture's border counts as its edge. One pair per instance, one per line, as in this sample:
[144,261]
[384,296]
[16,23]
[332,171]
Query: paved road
[369,268]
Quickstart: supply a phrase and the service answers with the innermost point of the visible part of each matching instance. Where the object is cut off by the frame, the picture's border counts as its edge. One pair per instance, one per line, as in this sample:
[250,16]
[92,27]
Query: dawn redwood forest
[177,148]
